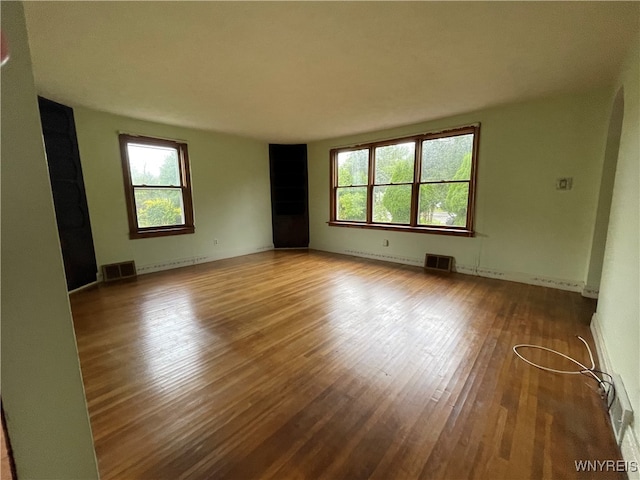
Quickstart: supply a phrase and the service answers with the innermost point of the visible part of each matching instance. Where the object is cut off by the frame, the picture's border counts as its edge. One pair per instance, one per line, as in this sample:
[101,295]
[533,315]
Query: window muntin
[423,183]
[157,186]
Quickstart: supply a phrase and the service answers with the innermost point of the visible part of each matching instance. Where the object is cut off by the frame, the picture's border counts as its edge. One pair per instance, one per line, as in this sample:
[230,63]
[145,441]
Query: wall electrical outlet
[215,241]
[385,243]
[564,183]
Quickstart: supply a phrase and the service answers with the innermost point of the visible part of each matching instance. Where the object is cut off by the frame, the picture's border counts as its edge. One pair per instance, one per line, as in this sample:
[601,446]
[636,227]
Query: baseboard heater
[118,271]
[440,263]
[620,411]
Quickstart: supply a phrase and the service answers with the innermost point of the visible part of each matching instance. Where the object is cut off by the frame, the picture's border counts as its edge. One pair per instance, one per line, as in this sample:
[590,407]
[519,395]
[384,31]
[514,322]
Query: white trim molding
[558,283]
[519,277]
[88,285]
[590,292]
[187,261]
[630,447]
[419,262]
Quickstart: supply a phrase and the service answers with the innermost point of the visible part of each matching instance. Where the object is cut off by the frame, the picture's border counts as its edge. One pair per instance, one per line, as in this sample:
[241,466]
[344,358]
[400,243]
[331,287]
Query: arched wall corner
[607,180]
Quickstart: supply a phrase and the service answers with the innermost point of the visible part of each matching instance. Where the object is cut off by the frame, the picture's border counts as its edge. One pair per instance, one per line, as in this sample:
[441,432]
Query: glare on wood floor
[311,365]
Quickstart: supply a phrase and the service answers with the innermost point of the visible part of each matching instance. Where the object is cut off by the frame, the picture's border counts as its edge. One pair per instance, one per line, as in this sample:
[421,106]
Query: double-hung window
[424,183]
[157,186]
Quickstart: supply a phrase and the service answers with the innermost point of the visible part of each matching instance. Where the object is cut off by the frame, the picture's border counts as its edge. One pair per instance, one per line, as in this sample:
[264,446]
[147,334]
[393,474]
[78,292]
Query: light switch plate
[564,183]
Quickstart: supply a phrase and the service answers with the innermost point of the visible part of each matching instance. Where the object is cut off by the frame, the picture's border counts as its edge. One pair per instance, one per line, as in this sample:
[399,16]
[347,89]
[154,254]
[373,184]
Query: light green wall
[605,193]
[619,301]
[231,194]
[42,390]
[526,229]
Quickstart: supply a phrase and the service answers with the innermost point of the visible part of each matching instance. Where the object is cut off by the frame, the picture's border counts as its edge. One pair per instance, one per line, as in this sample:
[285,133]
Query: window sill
[161,232]
[453,231]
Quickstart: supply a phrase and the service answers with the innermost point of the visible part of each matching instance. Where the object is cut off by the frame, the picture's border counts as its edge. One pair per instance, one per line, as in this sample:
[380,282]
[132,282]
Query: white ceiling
[289,72]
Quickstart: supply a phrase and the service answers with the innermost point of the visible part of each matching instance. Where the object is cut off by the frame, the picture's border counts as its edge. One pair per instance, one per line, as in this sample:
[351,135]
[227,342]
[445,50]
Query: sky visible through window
[152,165]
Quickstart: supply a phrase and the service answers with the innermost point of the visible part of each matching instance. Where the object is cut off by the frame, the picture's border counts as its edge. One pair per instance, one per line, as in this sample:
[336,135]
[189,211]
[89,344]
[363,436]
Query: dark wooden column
[289,197]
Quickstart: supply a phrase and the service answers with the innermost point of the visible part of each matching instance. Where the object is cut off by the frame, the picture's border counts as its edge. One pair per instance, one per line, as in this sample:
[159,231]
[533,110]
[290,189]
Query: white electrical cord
[584,369]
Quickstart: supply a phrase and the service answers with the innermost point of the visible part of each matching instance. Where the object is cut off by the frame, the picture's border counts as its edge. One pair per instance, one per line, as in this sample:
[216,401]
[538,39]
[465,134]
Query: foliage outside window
[423,183]
[157,186]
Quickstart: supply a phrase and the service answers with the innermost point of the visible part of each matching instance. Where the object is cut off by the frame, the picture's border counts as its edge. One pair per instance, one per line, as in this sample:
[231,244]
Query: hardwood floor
[296,364]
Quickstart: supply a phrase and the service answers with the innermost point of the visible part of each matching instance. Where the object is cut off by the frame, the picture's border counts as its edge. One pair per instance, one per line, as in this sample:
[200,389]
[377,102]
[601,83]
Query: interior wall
[618,313]
[526,229]
[604,197]
[42,391]
[231,194]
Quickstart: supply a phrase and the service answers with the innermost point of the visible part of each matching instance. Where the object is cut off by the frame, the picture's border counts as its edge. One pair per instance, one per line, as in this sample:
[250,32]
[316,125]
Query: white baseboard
[386,258]
[630,447]
[543,281]
[187,261]
[590,292]
[558,283]
[84,287]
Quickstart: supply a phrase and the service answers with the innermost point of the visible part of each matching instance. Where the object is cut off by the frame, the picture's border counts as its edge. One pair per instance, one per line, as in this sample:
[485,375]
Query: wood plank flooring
[296,364]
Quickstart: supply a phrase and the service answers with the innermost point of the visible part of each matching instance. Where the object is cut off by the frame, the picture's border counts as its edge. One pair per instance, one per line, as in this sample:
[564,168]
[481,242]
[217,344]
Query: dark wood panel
[69,197]
[296,364]
[289,201]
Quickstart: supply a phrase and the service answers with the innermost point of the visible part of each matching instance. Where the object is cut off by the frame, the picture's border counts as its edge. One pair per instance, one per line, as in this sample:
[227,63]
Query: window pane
[353,168]
[443,204]
[447,158]
[394,163]
[352,204]
[157,207]
[392,204]
[151,165]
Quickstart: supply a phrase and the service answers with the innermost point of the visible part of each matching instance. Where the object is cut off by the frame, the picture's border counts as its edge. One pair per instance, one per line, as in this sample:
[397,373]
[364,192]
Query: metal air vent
[117,271]
[440,263]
